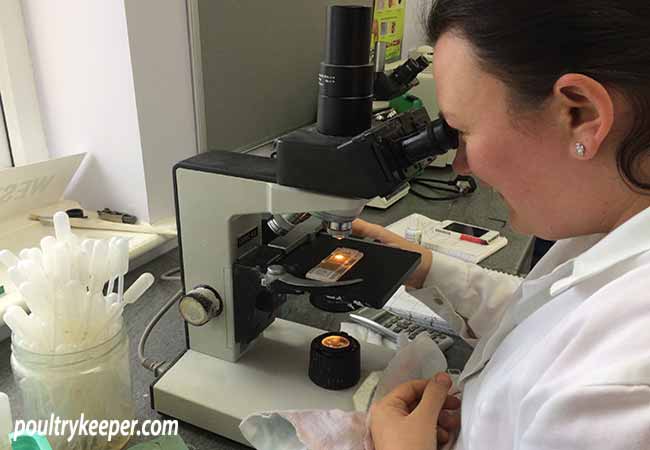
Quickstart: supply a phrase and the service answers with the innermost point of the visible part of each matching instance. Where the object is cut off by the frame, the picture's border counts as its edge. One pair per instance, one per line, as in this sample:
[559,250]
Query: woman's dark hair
[529,46]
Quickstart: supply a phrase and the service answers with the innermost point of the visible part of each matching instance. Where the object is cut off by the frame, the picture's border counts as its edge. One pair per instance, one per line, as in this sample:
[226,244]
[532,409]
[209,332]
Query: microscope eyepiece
[409,71]
[436,139]
[346,75]
[348,32]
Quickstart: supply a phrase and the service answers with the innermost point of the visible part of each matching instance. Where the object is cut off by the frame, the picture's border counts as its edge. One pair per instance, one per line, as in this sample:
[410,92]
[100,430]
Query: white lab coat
[563,359]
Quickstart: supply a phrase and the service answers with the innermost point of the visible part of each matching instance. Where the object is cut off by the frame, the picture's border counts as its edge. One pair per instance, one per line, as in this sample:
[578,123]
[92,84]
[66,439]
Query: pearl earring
[580,149]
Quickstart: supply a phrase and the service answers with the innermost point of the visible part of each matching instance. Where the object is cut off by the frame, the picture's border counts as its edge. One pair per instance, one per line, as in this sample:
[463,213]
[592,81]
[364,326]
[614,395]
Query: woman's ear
[587,113]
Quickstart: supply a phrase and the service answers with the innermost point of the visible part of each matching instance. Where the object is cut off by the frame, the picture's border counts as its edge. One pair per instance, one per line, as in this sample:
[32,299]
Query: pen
[472,239]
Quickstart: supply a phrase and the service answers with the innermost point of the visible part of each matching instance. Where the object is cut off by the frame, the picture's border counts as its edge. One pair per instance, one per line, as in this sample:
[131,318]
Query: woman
[552,102]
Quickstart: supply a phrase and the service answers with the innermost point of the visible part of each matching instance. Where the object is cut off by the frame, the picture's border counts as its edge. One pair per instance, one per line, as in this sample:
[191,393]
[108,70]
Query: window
[5,150]
[22,140]
[21,131]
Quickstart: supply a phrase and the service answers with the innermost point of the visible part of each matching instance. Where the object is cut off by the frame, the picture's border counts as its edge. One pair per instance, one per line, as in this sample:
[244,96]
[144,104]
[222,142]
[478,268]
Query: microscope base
[216,395]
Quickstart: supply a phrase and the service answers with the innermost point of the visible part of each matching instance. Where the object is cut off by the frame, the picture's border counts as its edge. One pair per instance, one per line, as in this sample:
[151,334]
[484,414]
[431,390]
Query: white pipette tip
[30,271]
[6,421]
[16,275]
[35,255]
[47,243]
[87,245]
[63,262]
[99,265]
[139,286]
[35,296]
[61,226]
[8,259]
[122,265]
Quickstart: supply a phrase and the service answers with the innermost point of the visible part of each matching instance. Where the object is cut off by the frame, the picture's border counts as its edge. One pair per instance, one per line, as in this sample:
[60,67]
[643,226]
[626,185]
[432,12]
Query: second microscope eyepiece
[436,139]
[346,76]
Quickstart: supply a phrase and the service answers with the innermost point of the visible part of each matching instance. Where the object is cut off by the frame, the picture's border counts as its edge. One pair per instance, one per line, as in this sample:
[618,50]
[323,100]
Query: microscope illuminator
[335,361]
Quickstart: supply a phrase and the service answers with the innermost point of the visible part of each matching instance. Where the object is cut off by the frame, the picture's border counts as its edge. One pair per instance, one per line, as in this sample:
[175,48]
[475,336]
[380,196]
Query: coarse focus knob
[200,305]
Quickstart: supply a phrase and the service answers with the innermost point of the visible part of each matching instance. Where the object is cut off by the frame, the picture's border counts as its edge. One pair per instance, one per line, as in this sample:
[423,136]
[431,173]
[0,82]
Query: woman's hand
[418,415]
[370,230]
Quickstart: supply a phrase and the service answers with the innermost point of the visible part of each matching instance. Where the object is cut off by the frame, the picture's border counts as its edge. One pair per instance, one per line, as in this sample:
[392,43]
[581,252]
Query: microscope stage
[384,269]
[217,395]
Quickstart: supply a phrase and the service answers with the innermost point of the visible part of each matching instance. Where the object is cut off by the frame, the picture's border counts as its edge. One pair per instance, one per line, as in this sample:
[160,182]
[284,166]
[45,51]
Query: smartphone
[453,227]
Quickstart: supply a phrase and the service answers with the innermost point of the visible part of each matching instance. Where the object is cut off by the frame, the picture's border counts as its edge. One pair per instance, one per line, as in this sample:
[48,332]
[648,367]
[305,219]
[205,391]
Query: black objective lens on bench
[346,76]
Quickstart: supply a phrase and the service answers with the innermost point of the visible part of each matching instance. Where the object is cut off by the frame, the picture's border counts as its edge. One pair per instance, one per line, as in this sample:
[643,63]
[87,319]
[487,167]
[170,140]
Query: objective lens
[338,230]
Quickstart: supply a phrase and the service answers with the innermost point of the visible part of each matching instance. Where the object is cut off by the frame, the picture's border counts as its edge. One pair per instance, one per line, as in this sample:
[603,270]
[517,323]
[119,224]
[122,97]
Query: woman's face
[521,161]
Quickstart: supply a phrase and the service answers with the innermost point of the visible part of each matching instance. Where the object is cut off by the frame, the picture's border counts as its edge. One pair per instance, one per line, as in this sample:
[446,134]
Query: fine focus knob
[200,305]
[335,361]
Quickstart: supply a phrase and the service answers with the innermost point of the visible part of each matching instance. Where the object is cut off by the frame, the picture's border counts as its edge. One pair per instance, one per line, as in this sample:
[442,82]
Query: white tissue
[422,358]
[335,429]
[307,430]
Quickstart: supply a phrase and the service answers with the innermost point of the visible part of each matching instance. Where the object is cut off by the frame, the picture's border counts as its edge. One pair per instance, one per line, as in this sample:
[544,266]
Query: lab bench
[483,208]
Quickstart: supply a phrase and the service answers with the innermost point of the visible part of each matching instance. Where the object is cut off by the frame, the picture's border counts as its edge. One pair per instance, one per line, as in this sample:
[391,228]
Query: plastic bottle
[413,234]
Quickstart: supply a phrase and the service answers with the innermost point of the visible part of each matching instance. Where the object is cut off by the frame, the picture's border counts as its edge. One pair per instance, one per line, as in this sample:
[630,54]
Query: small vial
[413,234]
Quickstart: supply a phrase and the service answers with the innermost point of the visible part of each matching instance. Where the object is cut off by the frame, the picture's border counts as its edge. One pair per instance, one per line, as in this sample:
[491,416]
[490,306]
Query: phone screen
[466,229]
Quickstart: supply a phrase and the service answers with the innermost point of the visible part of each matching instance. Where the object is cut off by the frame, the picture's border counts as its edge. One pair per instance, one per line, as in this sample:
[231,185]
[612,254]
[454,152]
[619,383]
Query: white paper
[32,186]
[404,304]
[444,243]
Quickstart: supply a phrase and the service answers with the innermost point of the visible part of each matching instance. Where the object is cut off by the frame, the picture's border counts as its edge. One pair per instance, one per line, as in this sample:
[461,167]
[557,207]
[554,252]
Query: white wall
[160,55]
[19,99]
[414,33]
[118,88]
[82,68]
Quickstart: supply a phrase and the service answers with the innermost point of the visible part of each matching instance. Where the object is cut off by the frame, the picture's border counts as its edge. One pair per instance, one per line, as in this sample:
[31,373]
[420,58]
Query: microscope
[241,358]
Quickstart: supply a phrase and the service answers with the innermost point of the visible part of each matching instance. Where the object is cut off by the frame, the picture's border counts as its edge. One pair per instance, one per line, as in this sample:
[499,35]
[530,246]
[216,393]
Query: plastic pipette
[8,259]
[16,276]
[62,283]
[47,249]
[62,226]
[36,256]
[19,322]
[113,262]
[98,266]
[132,294]
[139,286]
[37,300]
[122,266]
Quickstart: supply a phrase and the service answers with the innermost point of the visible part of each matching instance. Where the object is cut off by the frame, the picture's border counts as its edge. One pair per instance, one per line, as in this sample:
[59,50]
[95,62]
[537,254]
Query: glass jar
[95,382]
